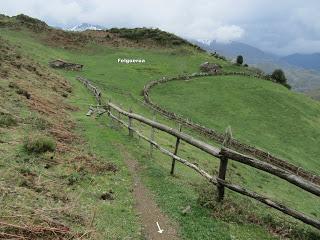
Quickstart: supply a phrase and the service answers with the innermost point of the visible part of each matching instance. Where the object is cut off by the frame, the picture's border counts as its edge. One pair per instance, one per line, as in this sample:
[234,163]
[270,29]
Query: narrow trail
[145,205]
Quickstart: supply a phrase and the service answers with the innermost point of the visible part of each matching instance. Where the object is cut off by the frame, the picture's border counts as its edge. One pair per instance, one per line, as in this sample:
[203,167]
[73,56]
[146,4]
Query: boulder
[65,65]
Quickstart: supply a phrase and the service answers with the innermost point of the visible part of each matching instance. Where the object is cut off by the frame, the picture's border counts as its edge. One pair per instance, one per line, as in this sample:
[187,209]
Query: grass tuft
[39,144]
[6,120]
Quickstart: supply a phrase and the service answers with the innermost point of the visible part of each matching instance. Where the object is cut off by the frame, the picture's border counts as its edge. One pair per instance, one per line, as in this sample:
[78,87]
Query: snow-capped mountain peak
[85,26]
[205,41]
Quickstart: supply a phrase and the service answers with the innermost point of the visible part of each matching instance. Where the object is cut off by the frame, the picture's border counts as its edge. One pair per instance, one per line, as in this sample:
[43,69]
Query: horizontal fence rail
[221,153]
[176,133]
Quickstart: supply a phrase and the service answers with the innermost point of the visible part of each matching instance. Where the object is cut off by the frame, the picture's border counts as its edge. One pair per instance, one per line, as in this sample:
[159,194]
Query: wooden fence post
[99,98]
[109,112]
[175,153]
[223,165]
[130,124]
[118,123]
[152,134]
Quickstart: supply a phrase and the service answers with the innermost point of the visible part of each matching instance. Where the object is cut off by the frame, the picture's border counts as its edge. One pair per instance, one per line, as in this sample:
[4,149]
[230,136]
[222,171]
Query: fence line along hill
[224,154]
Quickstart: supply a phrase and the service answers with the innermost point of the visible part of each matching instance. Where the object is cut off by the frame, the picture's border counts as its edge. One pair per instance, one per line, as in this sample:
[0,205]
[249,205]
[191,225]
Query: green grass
[6,120]
[118,220]
[259,112]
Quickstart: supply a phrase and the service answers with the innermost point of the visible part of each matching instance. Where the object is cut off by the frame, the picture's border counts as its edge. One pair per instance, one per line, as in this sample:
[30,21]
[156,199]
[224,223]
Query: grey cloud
[284,27]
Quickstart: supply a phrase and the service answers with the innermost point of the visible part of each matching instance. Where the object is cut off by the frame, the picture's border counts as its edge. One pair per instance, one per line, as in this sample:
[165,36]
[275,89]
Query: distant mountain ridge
[308,61]
[233,49]
[301,69]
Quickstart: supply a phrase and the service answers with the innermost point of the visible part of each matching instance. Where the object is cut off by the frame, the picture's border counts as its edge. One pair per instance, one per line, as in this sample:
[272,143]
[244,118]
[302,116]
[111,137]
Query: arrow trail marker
[160,230]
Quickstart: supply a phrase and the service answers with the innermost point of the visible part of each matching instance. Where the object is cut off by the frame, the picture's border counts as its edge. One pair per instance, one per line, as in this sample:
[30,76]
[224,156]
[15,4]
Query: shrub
[39,144]
[240,60]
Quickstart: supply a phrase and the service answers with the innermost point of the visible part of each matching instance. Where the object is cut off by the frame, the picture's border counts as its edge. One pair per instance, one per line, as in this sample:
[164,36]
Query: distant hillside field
[259,112]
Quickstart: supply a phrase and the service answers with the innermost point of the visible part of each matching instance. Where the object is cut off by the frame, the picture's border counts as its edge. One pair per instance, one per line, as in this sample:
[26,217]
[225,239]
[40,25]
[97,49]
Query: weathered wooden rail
[224,154]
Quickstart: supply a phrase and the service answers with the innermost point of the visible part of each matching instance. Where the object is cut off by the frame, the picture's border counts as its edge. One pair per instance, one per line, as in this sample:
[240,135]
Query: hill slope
[117,219]
[250,106]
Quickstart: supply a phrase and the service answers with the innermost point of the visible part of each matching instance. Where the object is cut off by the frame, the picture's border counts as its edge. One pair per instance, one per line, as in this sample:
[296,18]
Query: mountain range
[302,70]
[308,61]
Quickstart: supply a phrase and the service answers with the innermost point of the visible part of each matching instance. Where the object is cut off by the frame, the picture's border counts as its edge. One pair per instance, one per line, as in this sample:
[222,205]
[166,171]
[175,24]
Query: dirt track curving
[145,205]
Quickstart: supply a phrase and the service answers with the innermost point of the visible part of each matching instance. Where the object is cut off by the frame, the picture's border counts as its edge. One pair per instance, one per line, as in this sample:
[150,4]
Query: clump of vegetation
[32,23]
[6,119]
[39,144]
[159,36]
[279,76]
[239,60]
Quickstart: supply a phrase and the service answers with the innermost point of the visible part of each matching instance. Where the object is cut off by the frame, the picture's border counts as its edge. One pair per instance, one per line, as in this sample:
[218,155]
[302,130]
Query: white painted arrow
[160,230]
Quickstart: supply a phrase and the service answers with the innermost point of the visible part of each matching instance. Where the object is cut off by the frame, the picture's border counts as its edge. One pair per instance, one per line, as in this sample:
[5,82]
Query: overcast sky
[281,27]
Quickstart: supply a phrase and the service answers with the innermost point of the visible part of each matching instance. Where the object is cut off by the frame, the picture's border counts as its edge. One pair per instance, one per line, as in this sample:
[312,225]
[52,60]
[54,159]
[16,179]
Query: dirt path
[145,205]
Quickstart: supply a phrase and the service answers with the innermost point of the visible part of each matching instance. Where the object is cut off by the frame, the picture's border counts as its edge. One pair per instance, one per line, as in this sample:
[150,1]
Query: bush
[39,144]
[240,60]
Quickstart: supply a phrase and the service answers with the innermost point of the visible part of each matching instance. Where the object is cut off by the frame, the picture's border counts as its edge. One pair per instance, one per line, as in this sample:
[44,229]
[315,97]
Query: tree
[239,60]
[279,76]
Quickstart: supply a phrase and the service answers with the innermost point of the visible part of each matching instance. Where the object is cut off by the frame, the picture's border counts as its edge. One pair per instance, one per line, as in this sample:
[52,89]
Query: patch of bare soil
[146,207]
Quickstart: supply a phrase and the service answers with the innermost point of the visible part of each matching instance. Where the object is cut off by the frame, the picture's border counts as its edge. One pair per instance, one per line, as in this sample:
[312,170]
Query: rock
[107,196]
[210,67]
[65,65]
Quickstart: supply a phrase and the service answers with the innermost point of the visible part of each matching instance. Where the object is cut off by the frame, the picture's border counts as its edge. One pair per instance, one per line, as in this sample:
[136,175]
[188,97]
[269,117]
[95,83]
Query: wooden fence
[219,137]
[224,154]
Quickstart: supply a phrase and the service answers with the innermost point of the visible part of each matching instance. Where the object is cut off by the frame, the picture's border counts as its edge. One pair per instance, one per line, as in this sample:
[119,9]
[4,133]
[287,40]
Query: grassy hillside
[260,113]
[53,173]
[239,218]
